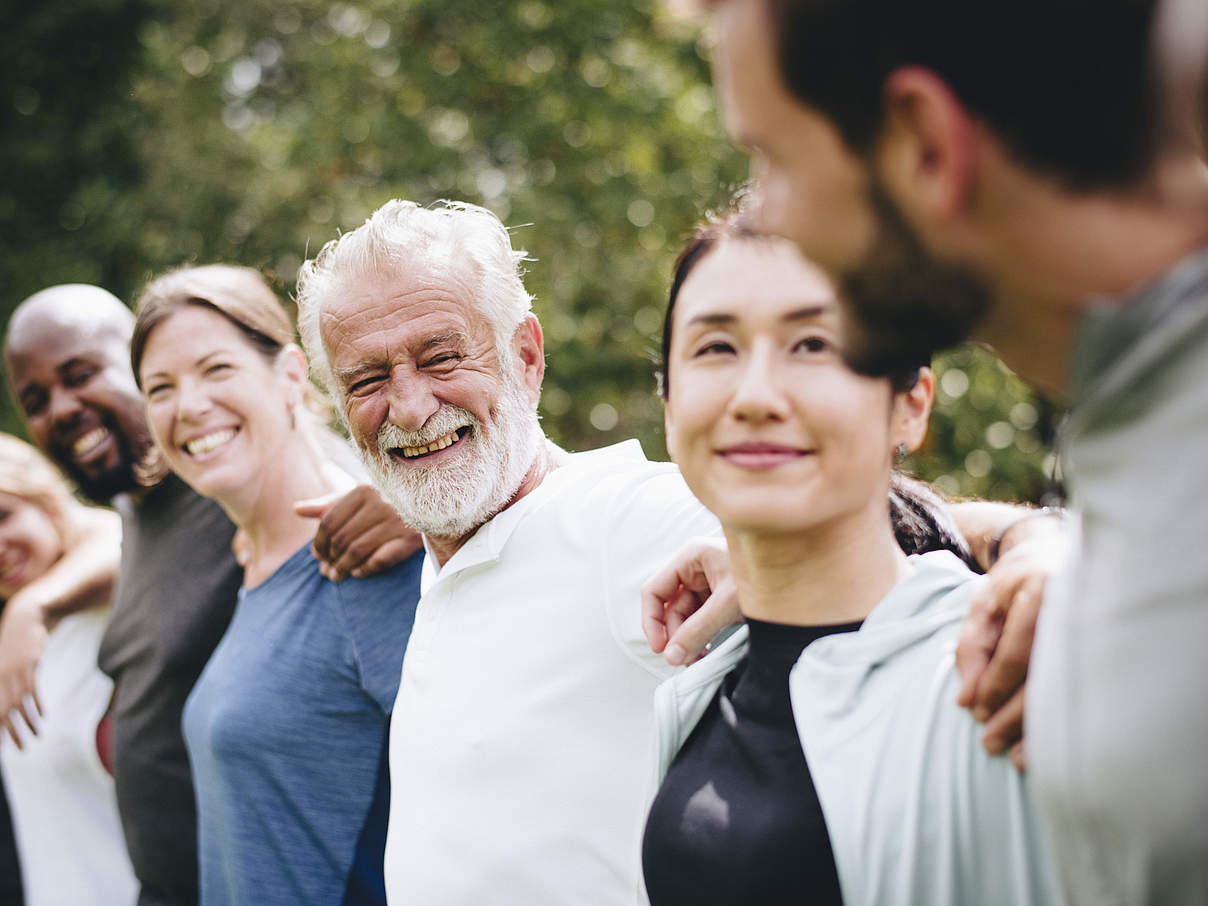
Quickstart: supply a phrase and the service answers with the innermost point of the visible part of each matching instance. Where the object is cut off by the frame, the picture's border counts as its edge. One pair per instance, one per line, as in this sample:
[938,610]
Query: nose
[64,406]
[192,401]
[757,396]
[412,401]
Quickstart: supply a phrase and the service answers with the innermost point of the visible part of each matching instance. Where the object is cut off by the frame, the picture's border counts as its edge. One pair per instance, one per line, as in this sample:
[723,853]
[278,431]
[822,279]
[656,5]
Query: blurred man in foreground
[1027,174]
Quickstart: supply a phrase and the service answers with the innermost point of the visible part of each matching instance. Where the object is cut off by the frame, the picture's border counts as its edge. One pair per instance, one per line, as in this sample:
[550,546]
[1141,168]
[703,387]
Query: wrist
[1014,531]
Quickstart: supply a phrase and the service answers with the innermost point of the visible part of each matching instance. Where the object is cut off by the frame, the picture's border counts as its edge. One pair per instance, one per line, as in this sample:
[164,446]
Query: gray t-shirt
[1117,730]
[175,596]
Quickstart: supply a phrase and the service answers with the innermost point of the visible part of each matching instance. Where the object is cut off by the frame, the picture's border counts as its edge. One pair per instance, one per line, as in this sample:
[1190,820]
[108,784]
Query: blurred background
[138,136]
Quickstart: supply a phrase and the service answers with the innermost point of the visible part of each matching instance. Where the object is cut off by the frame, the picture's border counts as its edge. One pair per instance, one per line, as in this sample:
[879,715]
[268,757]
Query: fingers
[1005,727]
[680,585]
[316,507]
[393,551]
[688,640]
[7,724]
[1008,666]
[1018,756]
[978,638]
[360,534]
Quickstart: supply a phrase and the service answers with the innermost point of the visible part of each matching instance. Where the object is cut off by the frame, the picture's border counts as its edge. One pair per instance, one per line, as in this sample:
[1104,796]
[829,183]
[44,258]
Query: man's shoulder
[621,463]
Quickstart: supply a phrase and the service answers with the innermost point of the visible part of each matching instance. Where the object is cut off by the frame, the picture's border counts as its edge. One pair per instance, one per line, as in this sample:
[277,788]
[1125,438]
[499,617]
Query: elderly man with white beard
[522,733]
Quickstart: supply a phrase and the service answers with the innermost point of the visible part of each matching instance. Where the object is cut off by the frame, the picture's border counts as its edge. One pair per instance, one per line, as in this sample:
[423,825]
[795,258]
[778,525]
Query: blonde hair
[27,474]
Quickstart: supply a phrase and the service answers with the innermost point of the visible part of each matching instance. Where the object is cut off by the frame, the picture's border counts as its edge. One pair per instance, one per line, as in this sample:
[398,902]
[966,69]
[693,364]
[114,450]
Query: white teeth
[208,442]
[89,441]
[439,444]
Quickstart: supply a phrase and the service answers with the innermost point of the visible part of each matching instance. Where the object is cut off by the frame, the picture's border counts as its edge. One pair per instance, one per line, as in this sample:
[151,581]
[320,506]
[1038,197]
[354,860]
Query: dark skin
[67,356]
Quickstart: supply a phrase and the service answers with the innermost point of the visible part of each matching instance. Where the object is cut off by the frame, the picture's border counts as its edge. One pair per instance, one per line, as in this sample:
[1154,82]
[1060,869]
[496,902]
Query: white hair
[402,235]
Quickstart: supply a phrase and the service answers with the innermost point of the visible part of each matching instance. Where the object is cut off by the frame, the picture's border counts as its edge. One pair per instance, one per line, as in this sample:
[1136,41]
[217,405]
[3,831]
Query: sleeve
[379,612]
[649,520]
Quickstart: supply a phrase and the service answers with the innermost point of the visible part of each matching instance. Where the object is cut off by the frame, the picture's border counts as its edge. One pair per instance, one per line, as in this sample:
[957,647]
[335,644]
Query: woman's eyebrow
[808,313]
[712,319]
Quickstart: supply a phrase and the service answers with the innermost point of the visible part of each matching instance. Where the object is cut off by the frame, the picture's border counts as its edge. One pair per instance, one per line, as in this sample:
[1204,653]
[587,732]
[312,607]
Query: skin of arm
[82,578]
[693,598]
[359,533]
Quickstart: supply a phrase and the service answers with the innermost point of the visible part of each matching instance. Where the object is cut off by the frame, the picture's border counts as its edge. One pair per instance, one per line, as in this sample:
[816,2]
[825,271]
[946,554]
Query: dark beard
[902,306]
[124,477]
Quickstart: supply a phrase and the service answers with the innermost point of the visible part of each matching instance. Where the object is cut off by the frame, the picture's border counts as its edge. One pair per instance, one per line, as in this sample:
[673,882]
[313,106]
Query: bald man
[67,354]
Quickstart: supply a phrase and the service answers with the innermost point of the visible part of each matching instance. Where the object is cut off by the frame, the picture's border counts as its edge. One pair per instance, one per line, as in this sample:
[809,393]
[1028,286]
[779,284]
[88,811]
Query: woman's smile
[761,455]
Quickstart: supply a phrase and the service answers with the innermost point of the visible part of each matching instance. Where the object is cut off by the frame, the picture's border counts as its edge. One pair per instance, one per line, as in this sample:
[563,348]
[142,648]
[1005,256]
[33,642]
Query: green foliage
[141,136]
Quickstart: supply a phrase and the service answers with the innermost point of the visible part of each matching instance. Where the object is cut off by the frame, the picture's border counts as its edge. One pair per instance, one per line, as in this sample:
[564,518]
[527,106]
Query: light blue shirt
[917,812]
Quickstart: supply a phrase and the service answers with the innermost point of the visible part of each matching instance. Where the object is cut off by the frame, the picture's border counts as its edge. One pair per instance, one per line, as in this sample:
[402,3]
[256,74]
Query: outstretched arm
[82,578]
[693,598]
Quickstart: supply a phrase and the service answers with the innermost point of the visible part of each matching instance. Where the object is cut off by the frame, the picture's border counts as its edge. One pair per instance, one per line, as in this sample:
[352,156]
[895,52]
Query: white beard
[452,498]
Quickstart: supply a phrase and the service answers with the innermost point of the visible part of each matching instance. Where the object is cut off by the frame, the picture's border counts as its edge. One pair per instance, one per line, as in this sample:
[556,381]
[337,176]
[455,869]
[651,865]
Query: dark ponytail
[921,520]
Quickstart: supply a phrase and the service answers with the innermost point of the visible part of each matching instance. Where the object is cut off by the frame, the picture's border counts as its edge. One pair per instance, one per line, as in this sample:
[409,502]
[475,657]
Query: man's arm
[359,533]
[82,578]
[693,598]
[1019,547]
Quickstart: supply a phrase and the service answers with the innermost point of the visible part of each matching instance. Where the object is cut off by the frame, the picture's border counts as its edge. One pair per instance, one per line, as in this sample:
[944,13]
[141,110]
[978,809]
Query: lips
[435,446]
[210,441]
[12,571]
[759,455]
[89,441]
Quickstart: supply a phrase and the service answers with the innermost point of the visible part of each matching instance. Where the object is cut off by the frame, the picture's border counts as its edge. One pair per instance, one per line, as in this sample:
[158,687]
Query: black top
[737,819]
[175,595]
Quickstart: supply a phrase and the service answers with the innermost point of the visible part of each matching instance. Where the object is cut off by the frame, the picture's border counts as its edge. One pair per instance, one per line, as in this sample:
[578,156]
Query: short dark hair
[1069,86]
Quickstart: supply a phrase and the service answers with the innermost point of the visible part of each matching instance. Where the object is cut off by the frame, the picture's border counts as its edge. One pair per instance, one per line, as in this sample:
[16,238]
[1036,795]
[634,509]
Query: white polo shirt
[522,736]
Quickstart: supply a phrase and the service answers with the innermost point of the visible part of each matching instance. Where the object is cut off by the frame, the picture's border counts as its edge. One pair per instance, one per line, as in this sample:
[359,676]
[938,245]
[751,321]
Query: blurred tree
[144,135]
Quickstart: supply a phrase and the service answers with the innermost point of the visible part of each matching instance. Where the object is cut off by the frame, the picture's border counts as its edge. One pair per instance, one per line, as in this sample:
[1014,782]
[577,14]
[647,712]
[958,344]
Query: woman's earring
[900,451]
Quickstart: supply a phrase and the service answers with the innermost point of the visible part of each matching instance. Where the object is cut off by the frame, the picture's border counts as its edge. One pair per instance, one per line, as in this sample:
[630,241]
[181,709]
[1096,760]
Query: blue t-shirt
[286,730]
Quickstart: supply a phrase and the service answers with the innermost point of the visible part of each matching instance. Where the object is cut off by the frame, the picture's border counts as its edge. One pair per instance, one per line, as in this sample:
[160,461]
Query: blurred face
[444,419]
[903,304]
[811,188]
[772,431]
[29,543]
[81,404]
[218,409]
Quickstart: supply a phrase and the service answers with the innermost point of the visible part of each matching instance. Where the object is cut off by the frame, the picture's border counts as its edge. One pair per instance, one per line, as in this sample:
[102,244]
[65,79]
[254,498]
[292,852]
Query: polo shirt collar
[486,544]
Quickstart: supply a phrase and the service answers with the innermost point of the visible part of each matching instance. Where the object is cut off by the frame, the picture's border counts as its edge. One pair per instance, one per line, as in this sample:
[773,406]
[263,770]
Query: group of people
[466,666]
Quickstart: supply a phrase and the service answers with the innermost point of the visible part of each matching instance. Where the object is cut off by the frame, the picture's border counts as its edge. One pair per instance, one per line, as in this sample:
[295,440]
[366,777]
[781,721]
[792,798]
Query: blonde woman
[64,811]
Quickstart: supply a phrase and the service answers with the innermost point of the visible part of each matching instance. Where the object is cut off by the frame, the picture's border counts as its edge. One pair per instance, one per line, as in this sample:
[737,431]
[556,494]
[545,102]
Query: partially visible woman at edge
[64,810]
[818,756]
[287,724]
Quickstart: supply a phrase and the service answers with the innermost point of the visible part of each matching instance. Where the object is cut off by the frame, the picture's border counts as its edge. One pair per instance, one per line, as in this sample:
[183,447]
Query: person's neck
[265,513]
[833,573]
[546,461]
[1060,254]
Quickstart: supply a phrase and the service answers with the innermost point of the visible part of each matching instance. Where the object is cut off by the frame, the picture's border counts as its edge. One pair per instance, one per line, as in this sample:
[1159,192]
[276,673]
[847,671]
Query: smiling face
[219,410]
[29,543]
[771,430]
[444,419]
[73,382]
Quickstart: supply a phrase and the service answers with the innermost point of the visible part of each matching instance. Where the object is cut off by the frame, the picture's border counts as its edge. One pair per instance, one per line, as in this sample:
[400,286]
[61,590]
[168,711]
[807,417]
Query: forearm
[84,576]
[981,522]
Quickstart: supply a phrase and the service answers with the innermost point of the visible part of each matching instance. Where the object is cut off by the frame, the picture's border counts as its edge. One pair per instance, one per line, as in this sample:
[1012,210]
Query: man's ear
[927,154]
[528,342]
[912,412]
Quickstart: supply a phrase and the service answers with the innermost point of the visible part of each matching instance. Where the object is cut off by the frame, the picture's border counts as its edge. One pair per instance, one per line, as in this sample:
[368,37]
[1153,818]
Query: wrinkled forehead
[363,302]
